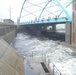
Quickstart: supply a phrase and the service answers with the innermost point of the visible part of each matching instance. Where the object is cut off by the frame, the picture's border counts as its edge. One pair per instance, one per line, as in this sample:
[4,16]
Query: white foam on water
[61,56]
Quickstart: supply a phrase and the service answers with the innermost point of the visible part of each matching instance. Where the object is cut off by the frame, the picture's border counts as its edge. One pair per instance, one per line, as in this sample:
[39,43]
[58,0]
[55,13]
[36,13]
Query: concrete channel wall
[8,32]
[11,63]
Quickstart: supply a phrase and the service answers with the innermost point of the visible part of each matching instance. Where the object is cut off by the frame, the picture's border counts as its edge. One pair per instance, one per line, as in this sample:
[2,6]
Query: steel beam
[64,10]
[21,10]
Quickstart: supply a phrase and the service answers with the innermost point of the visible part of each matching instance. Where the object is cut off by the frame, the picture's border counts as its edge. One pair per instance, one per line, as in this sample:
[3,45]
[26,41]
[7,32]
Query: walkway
[33,67]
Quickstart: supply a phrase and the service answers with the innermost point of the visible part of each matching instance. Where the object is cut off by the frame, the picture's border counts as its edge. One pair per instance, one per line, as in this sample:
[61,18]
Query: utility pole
[10,13]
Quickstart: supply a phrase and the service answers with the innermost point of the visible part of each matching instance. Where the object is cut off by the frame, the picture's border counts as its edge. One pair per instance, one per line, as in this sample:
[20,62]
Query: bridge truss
[44,11]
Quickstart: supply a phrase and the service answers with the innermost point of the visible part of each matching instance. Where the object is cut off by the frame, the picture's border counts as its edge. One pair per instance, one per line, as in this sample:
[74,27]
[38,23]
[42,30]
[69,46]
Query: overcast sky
[15,8]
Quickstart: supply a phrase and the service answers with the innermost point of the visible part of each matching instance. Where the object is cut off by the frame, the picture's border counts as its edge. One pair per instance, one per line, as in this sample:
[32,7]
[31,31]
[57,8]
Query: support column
[74,23]
[68,30]
[54,27]
[45,27]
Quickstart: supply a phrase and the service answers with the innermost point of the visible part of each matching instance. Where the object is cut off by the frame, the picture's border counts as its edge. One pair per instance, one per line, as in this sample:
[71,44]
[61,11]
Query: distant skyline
[15,6]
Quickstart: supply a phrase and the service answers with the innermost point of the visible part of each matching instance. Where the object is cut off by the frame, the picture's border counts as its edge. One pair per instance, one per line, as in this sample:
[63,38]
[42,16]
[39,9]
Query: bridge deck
[51,21]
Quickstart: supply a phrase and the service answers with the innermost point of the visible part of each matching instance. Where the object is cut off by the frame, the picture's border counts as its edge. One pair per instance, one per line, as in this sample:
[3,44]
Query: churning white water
[63,58]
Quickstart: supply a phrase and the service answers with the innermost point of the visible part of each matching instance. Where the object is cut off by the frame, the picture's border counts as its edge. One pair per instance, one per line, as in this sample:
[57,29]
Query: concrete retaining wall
[10,62]
[8,32]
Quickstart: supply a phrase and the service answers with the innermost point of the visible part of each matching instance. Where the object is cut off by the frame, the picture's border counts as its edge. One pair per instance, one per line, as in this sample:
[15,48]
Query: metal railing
[34,55]
[55,70]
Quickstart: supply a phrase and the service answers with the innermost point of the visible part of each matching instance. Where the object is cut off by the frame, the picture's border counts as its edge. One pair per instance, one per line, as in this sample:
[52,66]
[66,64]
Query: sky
[15,6]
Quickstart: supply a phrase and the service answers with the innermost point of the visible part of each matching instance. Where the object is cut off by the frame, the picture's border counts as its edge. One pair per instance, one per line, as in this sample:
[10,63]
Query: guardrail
[34,55]
[55,70]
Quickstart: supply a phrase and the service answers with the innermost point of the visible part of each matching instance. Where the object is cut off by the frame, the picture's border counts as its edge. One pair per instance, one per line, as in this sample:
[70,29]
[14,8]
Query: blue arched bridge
[37,15]
[45,12]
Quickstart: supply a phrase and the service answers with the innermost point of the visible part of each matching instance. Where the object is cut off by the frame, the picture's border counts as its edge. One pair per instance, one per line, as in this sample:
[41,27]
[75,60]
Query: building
[8,21]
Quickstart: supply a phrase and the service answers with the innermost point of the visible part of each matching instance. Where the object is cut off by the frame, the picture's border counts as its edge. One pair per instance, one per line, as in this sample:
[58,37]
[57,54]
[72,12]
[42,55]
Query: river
[63,58]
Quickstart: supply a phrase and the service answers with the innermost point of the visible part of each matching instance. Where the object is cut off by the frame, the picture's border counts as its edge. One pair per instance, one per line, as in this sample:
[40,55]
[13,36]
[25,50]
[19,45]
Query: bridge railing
[43,58]
[48,20]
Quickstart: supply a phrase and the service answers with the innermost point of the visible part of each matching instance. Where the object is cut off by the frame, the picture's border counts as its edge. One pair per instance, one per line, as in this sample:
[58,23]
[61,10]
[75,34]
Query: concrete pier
[68,30]
[54,27]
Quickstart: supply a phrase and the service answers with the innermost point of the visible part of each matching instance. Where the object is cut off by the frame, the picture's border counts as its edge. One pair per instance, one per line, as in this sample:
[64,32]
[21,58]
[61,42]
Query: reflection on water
[62,57]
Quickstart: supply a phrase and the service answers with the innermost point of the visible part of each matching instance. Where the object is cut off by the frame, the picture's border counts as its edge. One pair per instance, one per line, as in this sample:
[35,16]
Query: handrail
[55,69]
